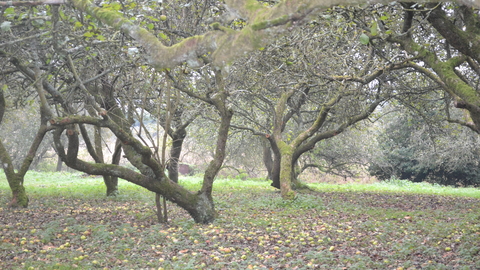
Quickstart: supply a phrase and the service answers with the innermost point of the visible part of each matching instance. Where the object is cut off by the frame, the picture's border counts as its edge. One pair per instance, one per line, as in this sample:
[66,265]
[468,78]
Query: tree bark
[226,114]
[286,171]
[466,41]
[284,150]
[19,195]
[2,105]
[59,165]
[112,182]
[276,170]
[177,142]
[15,180]
[276,162]
[158,204]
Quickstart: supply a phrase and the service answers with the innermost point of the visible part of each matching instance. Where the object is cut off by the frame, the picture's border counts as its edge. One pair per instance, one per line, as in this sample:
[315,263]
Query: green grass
[389,225]
[402,186]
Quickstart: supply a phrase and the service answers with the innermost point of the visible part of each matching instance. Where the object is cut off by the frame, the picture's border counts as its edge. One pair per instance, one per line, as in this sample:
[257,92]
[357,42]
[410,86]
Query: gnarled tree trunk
[151,175]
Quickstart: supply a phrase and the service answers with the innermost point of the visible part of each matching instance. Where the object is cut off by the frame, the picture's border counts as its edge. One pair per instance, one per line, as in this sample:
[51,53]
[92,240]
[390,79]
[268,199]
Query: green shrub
[407,151]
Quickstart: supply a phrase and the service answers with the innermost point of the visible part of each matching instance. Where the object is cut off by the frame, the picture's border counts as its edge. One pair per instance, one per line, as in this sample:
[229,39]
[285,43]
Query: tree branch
[465,124]
[308,145]
[25,38]
[467,43]
[2,105]
[32,3]
[223,46]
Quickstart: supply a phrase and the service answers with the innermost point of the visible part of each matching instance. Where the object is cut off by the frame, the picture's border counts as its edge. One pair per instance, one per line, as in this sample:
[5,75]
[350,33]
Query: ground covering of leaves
[255,230]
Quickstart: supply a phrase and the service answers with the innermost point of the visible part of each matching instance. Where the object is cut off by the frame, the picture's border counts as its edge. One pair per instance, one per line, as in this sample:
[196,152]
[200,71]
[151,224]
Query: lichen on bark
[286,171]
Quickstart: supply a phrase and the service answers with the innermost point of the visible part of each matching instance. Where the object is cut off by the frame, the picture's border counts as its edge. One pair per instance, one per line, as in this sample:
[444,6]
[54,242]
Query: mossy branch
[223,46]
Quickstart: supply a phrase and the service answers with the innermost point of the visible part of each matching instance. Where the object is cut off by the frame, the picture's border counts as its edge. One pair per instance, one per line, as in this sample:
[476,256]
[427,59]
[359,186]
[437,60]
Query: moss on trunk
[204,209]
[286,171]
[19,195]
[111,183]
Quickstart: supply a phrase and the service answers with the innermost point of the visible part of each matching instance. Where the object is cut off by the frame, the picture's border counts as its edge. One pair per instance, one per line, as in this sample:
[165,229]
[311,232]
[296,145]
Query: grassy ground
[394,225]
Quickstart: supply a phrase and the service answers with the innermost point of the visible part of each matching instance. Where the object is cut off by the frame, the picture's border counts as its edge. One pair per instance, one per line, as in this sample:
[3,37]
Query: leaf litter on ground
[255,229]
